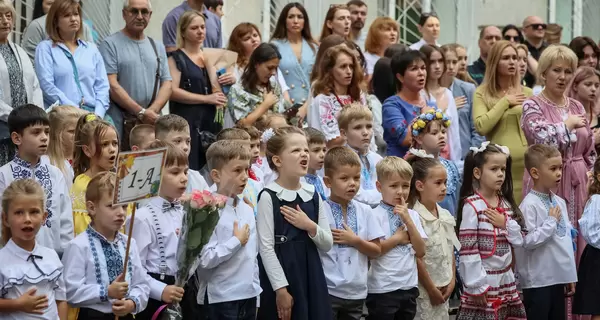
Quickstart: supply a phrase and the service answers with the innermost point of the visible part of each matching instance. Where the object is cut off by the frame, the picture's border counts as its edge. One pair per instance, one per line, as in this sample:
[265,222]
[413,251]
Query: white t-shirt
[371,60]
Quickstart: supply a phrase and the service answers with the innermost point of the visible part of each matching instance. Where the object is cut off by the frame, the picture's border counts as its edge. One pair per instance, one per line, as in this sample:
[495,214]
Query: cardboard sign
[138,175]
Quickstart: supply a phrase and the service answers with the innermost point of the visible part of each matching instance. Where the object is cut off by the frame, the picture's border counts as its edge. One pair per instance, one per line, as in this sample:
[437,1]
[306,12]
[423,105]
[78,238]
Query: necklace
[562,105]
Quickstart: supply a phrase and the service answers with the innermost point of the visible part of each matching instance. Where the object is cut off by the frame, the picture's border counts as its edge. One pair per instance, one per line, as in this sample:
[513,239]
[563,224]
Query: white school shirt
[196,181]
[546,257]
[367,193]
[20,274]
[156,232]
[57,230]
[265,225]
[229,270]
[87,284]
[345,267]
[397,269]
[69,173]
[589,224]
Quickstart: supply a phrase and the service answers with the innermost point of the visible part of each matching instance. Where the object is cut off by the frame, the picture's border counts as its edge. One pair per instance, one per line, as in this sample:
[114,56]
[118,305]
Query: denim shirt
[468,135]
[296,72]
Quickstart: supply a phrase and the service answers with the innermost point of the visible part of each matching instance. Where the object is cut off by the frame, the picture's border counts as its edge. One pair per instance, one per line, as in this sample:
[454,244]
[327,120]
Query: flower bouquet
[201,216]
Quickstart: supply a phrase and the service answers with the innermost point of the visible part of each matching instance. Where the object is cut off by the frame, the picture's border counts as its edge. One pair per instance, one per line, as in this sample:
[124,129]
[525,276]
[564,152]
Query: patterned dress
[15,76]
[485,263]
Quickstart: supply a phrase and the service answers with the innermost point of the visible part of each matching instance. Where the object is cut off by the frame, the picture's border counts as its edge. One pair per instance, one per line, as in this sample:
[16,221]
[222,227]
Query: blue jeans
[233,310]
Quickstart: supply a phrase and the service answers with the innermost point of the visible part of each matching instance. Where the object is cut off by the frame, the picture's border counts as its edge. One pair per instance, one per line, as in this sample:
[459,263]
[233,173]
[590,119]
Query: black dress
[200,117]
[587,291]
[301,264]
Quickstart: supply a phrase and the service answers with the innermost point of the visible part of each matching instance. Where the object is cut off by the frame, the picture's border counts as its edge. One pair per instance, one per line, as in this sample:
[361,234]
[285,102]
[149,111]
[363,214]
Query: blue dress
[453,183]
[301,264]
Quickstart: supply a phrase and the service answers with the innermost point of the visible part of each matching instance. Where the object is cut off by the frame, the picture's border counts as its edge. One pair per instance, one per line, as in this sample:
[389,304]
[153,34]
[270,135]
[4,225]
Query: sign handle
[128,244]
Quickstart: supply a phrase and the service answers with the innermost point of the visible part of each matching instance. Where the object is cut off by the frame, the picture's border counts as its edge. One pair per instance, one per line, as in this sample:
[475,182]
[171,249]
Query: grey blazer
[468,136]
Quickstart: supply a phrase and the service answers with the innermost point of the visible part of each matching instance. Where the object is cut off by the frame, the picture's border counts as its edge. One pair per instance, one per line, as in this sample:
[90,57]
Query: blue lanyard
[75,73]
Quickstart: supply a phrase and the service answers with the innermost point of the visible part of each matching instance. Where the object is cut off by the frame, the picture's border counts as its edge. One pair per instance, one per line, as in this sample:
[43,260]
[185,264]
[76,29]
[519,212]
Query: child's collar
[24,163]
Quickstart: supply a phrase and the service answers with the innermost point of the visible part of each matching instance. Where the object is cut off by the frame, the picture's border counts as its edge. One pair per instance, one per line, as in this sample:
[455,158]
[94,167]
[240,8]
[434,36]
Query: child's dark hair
[401,62]
[420,167]
[314,136]
[477,160]
[90,129]
[22,187]
[594,187]
[25,116]
[276,143]
[265,52]
[213,4]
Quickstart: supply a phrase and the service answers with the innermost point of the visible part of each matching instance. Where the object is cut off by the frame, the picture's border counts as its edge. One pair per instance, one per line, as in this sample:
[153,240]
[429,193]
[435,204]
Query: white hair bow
[267,135]
[484,146]
[50,108]
[420,153]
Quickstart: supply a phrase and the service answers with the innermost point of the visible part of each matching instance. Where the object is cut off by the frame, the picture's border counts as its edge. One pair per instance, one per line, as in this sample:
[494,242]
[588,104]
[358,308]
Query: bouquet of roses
[201,216]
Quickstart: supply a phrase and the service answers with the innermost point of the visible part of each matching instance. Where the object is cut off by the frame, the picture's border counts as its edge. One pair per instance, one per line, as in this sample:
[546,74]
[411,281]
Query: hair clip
[480,149]
[420,153]
[90,117]
[267,135]
[504,149]
[54,105]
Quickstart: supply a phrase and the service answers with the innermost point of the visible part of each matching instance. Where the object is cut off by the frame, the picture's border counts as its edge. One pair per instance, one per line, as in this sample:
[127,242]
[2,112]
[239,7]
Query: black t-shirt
[535,53]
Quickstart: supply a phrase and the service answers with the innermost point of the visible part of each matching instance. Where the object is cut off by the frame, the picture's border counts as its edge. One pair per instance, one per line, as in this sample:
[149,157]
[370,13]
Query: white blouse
[23,270]
[265,226]
[367,193]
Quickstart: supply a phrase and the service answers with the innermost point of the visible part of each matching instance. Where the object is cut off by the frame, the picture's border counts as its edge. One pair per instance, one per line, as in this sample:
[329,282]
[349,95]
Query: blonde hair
[555,52]
[233,134]
[184,22]
[464,76]
[101,184]
[490,87]
[56,10]
[277,143]
[392,165]
[59,118]
[139,133]
[170,123]
[353,112]
[89,130]
[324,82]
[263,123]
[373,41]
[223,151]
[22,187]
[338,157]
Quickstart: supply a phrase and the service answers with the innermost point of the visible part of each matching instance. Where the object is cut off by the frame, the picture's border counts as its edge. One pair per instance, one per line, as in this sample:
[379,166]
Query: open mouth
[304,163]
[351,191]
[27,229]
[44,146]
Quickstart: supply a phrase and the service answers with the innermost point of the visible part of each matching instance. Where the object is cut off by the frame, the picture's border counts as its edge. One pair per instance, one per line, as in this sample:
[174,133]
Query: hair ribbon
[267,135]
[484,146]
[54,105]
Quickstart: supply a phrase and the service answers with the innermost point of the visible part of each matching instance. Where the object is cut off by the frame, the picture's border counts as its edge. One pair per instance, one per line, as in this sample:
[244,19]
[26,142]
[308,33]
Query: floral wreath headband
[420,153]
[484,146]
[424,118]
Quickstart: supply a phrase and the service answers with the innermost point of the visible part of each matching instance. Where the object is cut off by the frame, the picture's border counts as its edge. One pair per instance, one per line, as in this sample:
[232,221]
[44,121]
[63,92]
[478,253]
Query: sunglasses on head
[538,25]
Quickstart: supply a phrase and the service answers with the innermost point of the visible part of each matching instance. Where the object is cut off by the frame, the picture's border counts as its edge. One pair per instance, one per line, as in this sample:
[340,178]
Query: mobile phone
[221,72]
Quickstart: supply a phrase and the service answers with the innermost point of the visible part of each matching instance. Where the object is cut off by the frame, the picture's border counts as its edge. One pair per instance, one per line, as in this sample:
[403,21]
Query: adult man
[138,72]
[213,25]
[487,37]
[358,16]
[534,30]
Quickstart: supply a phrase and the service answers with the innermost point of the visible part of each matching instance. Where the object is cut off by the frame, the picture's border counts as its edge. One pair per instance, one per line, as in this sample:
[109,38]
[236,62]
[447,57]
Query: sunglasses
[136,12]
[538,25]
[512,38]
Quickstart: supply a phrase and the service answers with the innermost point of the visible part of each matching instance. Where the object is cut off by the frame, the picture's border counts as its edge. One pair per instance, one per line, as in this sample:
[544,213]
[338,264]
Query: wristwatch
[140,115]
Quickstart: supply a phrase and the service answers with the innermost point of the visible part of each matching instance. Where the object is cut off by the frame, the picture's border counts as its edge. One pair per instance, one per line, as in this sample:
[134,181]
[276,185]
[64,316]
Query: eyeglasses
[512,38]
[536,26]
[136,12]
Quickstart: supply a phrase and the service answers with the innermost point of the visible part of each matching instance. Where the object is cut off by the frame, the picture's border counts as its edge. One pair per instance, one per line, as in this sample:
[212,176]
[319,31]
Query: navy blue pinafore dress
[301,264]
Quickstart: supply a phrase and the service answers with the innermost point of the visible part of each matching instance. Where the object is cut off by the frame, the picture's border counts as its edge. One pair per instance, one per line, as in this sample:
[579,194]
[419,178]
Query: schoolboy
[94,260]
[141,136]
[156,231]
[230,258]
[317,146]
[254,173]
[174,129]
[356,235]
[356,126]
[393,278]
[29,128]
[545,264]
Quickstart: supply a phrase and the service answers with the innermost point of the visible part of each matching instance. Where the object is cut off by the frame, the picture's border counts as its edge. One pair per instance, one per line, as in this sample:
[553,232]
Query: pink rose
[220,200]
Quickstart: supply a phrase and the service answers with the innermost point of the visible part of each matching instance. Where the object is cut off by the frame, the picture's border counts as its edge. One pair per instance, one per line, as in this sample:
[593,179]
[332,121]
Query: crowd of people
[363,177]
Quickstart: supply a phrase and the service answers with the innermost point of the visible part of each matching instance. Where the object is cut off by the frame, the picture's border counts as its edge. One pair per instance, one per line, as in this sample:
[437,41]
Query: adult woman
[443,98]
[553,118]
[497,107]
[429,28]
[461,72]
[338,84]
[70,70]
[337,21]
[383,32]
[298,49]
[512,33]
[463,93]
[41,8]
[586,50]
[21,85]
[410,73]
[257,92]
[193,97]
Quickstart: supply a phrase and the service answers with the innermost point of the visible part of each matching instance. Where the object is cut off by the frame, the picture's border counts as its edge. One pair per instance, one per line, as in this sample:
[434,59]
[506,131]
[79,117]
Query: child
[430,133]
[174,129]
[490,222]
[32,282]
[437,268]
[271,121]
[291,227]
[156,231]
[29,128]
[317,146]
[141,136]
[587,292]
[392,278]
[94,260]
[356,126]
[96,149]
[254,173]
[230,256]
[356,235]
[548,239]
[63,121]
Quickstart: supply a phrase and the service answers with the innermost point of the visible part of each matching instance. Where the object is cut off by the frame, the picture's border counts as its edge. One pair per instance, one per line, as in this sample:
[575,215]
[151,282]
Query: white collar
[20,252]
[305,192]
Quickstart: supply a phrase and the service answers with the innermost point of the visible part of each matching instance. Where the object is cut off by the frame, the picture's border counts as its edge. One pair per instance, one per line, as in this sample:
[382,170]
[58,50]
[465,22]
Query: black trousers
[545,303]
[153,305]
[395,305]
[91,314]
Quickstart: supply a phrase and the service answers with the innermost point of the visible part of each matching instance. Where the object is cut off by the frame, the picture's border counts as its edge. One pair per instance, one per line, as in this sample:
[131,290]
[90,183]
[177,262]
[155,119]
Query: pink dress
[543,123]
